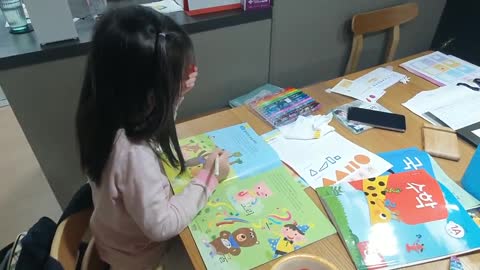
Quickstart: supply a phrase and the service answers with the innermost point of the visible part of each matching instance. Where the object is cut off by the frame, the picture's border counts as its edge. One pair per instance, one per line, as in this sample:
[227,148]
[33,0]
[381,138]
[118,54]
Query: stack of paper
[453,106]
[371,86]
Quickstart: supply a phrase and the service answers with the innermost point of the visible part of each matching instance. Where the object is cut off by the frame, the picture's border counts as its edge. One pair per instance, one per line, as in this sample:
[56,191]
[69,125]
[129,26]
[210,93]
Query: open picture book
[398,220]
[259,213]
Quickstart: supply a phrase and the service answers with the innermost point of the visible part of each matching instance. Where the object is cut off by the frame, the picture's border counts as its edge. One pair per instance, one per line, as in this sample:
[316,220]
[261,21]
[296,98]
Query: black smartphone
[390,121]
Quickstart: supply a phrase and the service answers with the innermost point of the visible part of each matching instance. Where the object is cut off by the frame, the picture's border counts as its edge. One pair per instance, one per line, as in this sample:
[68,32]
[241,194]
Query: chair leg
[91,259]
[393,43]
[357,47]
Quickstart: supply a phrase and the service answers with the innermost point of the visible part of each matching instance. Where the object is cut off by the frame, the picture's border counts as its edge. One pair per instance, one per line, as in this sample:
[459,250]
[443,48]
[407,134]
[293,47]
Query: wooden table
[375,140]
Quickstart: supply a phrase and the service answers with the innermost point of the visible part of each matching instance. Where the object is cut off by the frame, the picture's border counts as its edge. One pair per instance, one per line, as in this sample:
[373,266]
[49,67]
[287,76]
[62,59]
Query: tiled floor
[25,195]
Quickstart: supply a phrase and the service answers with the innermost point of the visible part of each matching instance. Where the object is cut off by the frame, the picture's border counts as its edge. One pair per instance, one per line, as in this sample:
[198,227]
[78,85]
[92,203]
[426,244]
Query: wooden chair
[67,239]
[376,21]
[91,259]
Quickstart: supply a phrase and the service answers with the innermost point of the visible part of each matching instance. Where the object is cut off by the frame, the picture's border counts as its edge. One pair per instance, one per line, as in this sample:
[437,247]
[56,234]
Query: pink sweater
[135,209]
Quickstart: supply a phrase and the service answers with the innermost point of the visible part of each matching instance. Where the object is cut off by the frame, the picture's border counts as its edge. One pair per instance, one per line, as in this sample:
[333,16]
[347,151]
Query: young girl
[140,66]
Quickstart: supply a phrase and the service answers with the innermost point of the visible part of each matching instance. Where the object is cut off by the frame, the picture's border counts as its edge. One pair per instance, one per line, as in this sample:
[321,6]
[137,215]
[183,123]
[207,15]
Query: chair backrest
[91,259]
[375,21]
[67,239]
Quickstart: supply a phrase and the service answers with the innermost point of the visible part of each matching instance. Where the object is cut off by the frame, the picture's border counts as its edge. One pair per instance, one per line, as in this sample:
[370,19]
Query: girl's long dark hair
[133,77]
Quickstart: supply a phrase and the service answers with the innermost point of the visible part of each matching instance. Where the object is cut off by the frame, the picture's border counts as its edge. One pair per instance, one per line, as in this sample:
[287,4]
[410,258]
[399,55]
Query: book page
[249,154]
[246,222]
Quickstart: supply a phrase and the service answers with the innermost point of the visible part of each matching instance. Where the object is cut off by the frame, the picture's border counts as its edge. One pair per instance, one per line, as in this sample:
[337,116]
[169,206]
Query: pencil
[217,166]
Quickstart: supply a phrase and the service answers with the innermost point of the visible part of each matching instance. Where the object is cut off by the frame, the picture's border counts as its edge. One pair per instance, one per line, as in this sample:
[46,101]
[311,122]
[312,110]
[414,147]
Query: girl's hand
[189,83]
[223,164]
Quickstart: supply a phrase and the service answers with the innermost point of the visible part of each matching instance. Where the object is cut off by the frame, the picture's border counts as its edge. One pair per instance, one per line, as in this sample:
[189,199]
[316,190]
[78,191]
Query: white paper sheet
[476,132]
[370,87]
[357,91]
[456,106]
[328,160]
[380,79]
[164,6]
[459,114]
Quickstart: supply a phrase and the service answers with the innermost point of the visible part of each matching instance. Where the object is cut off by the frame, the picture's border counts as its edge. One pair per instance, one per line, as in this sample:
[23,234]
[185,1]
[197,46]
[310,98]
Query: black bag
[31,250]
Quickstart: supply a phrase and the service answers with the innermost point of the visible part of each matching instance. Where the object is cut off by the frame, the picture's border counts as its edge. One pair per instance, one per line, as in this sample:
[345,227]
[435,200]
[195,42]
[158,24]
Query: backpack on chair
[31,250]
[51,246]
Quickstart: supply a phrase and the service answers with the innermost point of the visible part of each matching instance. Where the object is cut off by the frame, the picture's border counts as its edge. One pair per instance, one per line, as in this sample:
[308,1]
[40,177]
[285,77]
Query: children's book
[475,215]
[471,178]
[399,220]
[442,69]
[249,154]
[260,214]
[455,264]
[260,92]
[410,159]
[284,107]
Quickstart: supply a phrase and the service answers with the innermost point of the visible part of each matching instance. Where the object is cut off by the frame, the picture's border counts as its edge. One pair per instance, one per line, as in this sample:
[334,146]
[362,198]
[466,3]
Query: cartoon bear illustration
[231,243]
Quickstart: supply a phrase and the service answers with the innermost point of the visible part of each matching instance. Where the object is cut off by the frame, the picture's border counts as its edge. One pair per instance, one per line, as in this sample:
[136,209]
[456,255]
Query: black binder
[467,133]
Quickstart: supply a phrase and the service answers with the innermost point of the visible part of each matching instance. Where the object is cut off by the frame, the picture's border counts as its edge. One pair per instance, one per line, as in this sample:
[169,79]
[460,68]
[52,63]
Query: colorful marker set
[284,107]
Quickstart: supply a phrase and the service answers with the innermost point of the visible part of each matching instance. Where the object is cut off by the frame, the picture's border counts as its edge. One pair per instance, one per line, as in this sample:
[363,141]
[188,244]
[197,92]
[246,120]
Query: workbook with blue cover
[399,220]
[259,213]
[471,178]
